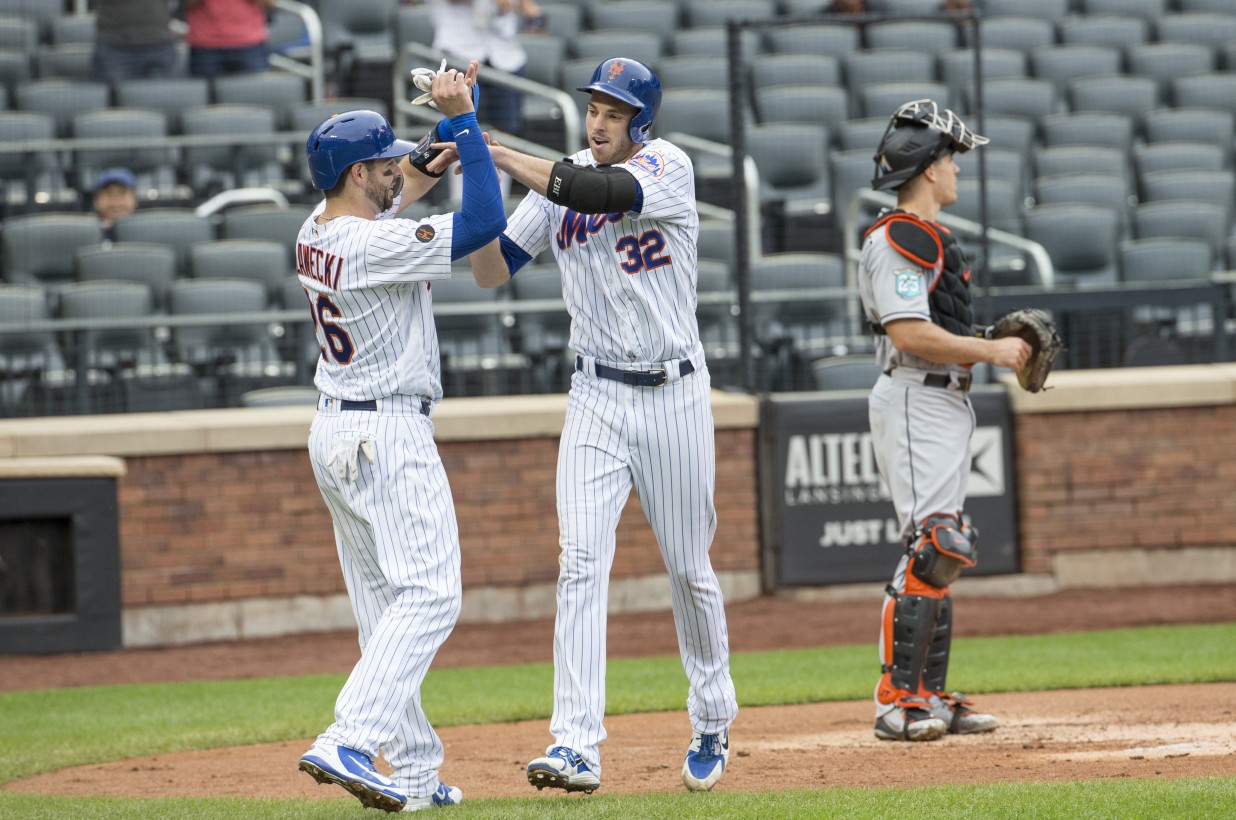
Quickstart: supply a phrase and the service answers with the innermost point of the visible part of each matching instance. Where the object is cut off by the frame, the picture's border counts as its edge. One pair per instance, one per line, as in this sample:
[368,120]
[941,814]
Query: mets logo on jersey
[615,68]
[425,232]
[650,161]
[909,282]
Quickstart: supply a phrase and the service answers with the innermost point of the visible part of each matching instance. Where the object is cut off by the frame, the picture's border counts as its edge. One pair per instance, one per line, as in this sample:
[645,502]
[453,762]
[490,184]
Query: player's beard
[381,194]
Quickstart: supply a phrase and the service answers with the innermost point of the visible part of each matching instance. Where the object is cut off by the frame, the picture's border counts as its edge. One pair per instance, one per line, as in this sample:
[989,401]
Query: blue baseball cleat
[444,796]
[563,768]
[355,772]
[705,761]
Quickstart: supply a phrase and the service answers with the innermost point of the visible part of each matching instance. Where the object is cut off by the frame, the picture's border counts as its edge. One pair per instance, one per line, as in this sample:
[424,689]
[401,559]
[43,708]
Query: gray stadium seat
[41,167]
[820,105]
[62,99]
[262,260]
[73,61]
[1208,29]
[1009,133]
[851,171]
[543,335]
[1080,239]
[712,40]
[637,15]
[41,12]
[793,168]
[1190,125]
[113,348]
[211,346]
[40,249]
[1026,97]
[700,112]
[716,241]
[269,222]
[414,24]
[1214,90]
[73,28]
[19,33]
[957,68]
[1111,30]
[1061,64]
[1114,131]
[473,345]
[792,69]
[1047,9]
[171,95]
[703,13]
[1209,186]
[714,311]
[1100,190]
[1006,188]
[16,67]
[1078,159]
[34,348]
[694,71]
[935,38]
[281,91]
[154,266]
[154,167]
[861,134]
[1208,222]
[1161,259]
[1164,62]
[883,99]
[176,228]
[870,67]
[791,329]
[1215,6]
[598,45]
[836,41]
[362,27]
[1016,32]
[235,165]
[562,19]
[1149,10]
[1131,96]
[1178,156]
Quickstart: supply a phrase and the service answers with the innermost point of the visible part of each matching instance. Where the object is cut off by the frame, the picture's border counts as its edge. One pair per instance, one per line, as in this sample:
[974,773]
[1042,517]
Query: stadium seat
[1007,133]
[361,27]
[234,165]
[153,266]
[1017,33]
[543,335]
[1080,239]
[935,38]
[475,347]
[16,68]
[1026,97]
[716,241]
[698,112]
[268,222]
[1165,259]
[792,330]
[73,28]
[1114,31]
[171,95]
[261,260]
[1052,10]
[714,312]
[39,169]
[694,71]
[1209,186]
[818,105]
[883,99]
[1178,156]
[280,91]
[176,228]
[111,349]
[637,15]
[62,99]
[1061,64]
[870,67]
[1209,222]
[561,19]
[154,168]
[861,134]
[40,249]
[19,33]
[1114,131]
[1118,94]
[598,45]
[1164,62]
[713,40]
[793,167]
[1215,90]
[414,24]
[1064,160]
[834,41]
[1149,10]
[793,69]
[71,61]
[1202,28]
[957,68]
[704,13]
[1110,191]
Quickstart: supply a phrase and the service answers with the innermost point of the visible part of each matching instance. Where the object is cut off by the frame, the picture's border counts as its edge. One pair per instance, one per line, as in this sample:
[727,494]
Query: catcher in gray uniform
[915,287]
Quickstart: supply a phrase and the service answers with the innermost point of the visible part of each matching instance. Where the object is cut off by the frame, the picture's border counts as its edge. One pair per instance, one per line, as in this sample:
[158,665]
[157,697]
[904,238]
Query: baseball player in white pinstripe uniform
[915,287]
[621,219]
[369,284]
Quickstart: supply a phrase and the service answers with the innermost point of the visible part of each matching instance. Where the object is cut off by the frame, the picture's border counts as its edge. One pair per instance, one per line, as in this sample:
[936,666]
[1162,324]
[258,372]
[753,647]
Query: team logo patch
[616,68]
[909,283]
[650,161]
[425,232]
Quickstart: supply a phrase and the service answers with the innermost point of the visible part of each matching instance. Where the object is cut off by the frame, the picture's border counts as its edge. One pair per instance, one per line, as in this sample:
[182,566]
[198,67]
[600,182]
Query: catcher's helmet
[346,139]
[634,83]
[917,135]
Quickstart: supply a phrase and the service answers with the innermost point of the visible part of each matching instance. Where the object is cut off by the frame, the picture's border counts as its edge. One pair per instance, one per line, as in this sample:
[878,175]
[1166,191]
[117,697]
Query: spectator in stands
[227,36]
[133,40]
[485,30]
[115,197]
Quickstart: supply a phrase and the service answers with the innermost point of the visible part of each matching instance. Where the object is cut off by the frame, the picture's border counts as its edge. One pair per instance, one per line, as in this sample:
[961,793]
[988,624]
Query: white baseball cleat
[705,760]
[444,796]
[909,718]
[954,709]
[563,768]
[353,771]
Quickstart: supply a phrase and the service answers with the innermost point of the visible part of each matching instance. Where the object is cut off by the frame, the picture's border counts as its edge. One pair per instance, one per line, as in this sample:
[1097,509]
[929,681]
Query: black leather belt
[636,378]
[942,380]
[372,405]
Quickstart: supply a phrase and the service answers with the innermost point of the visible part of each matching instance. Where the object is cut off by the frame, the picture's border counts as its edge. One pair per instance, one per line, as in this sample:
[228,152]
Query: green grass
[1125,799]
[49,729]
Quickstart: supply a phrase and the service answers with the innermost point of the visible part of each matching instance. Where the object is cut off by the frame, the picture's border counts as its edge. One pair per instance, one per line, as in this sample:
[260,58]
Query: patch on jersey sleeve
[908,282]
[650,161]
[425,232]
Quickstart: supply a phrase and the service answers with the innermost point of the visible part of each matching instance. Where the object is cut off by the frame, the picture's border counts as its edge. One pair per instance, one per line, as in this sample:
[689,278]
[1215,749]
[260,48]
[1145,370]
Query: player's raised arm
[481,217]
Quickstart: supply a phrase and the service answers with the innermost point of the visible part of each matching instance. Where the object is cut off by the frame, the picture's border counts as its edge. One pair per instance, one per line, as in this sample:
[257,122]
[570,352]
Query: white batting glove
[345,456]
[422,78]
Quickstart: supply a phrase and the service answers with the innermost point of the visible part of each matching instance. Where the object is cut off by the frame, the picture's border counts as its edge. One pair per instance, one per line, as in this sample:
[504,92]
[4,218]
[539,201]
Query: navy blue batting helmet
[634,83]
[346,139]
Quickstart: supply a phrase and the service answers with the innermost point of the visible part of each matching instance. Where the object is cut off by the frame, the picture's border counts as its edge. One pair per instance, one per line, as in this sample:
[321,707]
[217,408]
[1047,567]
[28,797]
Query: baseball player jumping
[368,280]
[622,223]
[915,287]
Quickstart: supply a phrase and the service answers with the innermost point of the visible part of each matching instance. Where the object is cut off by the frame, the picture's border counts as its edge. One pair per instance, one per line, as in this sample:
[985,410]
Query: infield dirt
[1143,732]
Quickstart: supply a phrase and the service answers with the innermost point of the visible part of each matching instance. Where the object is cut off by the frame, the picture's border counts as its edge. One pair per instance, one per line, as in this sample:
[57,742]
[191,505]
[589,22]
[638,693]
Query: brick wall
[1157,478]
[213,527]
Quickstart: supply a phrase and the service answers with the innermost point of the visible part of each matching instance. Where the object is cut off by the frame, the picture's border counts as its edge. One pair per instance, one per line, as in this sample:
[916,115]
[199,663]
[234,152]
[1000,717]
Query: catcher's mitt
[1037,328]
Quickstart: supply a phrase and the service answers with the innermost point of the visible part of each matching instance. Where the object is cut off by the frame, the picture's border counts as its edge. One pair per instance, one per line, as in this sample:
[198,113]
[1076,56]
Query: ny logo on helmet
[616,68]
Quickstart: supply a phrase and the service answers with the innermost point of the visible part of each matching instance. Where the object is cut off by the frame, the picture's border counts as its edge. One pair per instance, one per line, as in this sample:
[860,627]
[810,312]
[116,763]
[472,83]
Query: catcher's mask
[346,139]
[635,84]
[918,134]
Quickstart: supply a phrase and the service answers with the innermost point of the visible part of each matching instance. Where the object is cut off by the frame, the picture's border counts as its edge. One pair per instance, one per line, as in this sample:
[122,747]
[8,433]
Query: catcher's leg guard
[901,714]
[935,669]
[941,550]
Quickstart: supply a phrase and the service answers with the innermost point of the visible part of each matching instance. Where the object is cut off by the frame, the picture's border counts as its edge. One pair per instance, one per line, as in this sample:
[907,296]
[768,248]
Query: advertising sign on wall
[827,513]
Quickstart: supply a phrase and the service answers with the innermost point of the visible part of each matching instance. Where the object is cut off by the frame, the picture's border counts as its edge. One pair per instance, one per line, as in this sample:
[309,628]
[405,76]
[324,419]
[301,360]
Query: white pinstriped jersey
[368,283]
[628,279]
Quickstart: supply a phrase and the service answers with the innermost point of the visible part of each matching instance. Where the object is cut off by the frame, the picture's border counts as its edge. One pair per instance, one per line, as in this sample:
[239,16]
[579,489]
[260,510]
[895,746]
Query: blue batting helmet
[346,139]
[634,83]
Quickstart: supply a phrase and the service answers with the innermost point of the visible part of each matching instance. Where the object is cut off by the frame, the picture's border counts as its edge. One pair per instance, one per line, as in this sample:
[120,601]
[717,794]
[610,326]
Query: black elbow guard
[605,189]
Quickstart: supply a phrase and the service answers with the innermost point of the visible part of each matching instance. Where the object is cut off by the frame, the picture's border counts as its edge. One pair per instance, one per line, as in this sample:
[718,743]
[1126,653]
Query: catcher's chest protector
[933,246]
